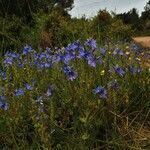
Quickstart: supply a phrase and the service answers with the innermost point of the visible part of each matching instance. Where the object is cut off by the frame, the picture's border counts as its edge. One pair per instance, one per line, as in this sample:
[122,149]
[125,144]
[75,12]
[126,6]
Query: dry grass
[138,134]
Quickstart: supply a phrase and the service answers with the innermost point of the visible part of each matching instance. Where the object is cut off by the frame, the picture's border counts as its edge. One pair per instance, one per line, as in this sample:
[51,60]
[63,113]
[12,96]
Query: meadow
[79,97]
[73,83]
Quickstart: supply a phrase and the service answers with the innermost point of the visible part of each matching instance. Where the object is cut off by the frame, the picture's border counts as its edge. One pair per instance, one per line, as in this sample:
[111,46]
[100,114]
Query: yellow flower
[127,47]
[129,58]
[139,59]
[102,72]
[127,53]
[142,53]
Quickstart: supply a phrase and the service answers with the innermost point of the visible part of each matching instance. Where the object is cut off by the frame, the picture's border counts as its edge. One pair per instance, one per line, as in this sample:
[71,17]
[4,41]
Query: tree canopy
[146,13]
[26,8]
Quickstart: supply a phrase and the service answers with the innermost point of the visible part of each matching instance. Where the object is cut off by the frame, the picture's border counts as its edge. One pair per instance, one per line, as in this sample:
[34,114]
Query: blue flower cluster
[48,58]
[26,87]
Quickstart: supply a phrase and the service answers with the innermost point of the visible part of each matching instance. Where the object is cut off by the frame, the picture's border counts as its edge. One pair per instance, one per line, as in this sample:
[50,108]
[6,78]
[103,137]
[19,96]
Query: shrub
[120,31]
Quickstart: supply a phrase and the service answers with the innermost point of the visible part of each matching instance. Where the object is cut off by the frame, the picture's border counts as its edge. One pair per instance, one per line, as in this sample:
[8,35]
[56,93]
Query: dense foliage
[47,23]
[26,9]
[43,23]
[140,24]
[58,29]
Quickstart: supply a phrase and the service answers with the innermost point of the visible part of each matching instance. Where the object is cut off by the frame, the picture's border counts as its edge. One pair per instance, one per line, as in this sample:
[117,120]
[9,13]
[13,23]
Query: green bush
[120,31]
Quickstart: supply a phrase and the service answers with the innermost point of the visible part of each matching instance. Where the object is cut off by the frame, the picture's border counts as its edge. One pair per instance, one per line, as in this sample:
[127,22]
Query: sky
[89,8]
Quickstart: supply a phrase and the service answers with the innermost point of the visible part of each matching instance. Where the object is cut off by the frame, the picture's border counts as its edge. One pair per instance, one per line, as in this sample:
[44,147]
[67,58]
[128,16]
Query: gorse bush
[81,96]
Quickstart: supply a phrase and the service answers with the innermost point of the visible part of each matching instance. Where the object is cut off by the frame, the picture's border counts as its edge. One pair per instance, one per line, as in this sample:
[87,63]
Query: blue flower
[47,65]
[82,53]
[135,47]
[27,49]
[3,75]
[103,51]
[8,61]
[118,51]
[67,57]
[42,56]
[28,87]
[71,75]
[20,65]
[91,43]
[72,47]
[56,58]
[12,54]
[119,70]
[39,65]
[114,84]
[48,50]
[134,70]
[101,91]
[3,103]
[91,61]
[19,92]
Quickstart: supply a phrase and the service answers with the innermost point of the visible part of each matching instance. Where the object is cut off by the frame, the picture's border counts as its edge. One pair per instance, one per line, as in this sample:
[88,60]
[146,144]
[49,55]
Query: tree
[146,14]
[131,18]
[25,9]
[145,17]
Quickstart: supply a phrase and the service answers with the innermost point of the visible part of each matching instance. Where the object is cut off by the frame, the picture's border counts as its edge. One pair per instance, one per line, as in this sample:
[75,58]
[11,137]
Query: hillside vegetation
[72,84]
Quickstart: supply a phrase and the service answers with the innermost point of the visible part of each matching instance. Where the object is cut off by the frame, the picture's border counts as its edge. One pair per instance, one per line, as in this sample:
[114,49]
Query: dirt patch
[144,41]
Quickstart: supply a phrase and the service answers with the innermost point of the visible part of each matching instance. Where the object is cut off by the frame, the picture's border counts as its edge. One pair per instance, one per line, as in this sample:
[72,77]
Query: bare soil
[144,41]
